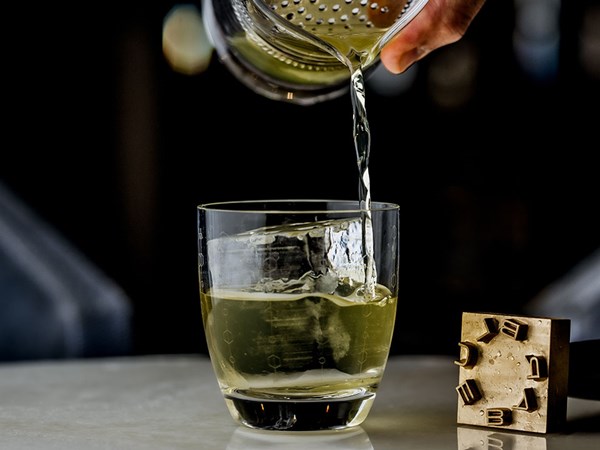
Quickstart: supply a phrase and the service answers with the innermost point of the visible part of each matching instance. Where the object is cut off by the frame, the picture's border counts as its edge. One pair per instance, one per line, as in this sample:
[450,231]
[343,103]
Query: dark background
[492,157]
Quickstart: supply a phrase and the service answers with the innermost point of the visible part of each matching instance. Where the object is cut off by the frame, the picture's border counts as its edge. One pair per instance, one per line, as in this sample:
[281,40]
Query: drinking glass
[303,51]
[298,305]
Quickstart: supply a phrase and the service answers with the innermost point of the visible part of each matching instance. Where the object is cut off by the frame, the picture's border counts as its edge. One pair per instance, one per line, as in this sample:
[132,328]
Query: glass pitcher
[303,51]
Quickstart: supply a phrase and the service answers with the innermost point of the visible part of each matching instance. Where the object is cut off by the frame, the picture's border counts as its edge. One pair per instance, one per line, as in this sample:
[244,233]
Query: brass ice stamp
[513,372]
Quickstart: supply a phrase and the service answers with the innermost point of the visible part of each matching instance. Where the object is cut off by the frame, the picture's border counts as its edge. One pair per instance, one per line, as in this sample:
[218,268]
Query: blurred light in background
[590,42]
[575,295]
[453,74]
[536,37]
[186,45]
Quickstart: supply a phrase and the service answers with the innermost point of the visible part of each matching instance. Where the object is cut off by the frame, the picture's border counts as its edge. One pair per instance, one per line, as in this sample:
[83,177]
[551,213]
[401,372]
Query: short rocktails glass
[299,303]
[303,51]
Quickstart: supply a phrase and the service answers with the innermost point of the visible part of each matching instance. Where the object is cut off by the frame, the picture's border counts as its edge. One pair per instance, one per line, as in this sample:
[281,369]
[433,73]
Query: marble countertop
[173,402]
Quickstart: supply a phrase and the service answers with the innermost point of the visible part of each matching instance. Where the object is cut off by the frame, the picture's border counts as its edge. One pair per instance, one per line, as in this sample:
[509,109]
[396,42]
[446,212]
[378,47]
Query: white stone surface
[173,402]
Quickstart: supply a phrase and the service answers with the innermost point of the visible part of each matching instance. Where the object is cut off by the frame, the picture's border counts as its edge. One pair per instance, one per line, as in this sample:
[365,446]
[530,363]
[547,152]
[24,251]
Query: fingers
[441,22]
[409,46]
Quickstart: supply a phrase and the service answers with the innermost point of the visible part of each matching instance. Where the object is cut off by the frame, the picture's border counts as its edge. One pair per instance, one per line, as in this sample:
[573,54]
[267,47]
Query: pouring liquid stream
[352,31]
[362,144]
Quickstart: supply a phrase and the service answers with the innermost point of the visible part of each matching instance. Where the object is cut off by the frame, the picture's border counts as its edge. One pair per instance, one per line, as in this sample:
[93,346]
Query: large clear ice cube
[325,256]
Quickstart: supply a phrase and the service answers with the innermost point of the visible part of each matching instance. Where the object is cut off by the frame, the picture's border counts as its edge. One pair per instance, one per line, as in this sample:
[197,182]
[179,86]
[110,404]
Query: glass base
[308,414]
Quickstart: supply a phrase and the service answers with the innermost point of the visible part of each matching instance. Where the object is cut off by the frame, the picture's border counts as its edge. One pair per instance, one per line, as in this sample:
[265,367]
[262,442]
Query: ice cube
[292,258]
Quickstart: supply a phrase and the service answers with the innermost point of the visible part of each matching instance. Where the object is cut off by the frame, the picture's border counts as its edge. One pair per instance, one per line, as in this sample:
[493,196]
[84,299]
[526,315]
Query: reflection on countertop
[350,439]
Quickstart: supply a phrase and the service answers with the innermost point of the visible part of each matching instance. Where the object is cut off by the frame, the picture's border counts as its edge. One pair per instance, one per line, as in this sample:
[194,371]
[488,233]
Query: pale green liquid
[350,26]
[320,358]
[352,35]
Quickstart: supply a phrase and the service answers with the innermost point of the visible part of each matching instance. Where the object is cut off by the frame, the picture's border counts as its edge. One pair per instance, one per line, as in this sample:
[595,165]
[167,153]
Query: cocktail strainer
[350,15]
[303,51]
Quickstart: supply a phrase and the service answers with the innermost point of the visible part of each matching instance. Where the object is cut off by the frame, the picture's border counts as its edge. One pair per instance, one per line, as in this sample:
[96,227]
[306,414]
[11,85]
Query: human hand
[441,22]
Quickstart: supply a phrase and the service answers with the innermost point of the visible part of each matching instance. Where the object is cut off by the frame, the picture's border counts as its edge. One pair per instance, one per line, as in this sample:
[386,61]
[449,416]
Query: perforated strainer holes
[346,13]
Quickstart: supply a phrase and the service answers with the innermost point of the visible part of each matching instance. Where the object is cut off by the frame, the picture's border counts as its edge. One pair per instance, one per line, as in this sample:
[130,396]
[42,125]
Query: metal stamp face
[513,372]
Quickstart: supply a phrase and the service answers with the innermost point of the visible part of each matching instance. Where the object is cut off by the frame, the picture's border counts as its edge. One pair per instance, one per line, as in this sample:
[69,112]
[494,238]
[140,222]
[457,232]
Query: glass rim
[254,206]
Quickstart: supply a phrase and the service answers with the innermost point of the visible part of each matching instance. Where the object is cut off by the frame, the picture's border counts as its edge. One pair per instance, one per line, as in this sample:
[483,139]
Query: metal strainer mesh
[340,16]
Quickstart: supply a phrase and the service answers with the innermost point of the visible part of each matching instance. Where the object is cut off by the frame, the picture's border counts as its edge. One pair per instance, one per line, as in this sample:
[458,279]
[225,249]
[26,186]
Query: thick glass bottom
[300,414]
